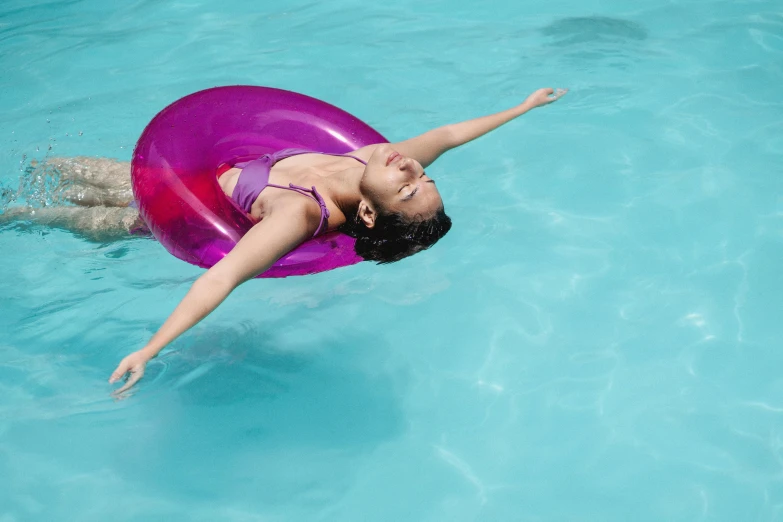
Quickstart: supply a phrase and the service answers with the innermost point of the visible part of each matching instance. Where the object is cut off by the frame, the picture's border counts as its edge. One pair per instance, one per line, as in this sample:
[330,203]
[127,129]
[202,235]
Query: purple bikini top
[254,178]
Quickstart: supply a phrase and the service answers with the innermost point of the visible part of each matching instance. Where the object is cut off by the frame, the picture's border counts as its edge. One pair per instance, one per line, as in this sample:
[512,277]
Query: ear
[366,214]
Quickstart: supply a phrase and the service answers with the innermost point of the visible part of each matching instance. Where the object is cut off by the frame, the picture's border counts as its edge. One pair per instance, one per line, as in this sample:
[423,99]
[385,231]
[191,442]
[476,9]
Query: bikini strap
[254,178]
[310,193]
[287,153]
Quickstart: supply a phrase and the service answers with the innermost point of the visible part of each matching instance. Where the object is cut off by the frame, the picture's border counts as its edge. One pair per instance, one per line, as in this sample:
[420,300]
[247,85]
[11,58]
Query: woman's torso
[305,170]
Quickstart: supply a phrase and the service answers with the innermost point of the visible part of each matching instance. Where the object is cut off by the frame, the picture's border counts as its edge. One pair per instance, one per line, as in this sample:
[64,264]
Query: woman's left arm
[427,147]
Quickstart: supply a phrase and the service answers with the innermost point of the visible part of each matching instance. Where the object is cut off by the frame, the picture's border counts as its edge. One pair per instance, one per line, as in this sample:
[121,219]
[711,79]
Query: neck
[344,190]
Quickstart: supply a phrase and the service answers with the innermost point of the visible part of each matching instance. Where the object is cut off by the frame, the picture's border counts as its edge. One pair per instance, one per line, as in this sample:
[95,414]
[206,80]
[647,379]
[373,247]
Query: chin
[380,153]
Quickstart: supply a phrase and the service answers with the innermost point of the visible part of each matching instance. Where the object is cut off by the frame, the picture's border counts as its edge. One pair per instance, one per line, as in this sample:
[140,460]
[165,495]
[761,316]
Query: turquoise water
[597,339]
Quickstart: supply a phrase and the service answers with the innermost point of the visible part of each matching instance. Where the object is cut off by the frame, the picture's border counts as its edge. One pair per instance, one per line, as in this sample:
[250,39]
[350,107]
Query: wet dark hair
[394,237]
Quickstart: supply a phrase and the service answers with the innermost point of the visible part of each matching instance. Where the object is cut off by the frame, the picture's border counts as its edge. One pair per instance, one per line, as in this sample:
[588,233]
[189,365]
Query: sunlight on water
[597,338]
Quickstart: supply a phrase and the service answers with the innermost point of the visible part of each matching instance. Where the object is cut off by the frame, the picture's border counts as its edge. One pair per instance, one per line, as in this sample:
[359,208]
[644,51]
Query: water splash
[40,185]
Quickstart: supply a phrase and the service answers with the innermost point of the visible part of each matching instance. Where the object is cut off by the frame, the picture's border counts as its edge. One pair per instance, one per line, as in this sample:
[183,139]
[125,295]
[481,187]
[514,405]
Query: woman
[379,194]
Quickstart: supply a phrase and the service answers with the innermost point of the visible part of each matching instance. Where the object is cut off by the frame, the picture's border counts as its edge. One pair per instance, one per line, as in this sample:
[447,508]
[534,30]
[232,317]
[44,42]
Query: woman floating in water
[379,194]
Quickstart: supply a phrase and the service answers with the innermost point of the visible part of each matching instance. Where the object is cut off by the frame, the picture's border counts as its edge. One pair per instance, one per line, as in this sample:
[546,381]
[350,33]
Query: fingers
[119,372]
[548,90]
[135,375]
[556,95]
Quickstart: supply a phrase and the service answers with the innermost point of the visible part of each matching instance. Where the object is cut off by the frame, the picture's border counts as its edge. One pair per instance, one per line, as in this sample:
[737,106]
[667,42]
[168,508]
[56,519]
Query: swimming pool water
[597,339]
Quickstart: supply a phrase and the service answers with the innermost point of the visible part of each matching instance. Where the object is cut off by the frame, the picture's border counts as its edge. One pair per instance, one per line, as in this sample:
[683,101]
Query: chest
[276,195]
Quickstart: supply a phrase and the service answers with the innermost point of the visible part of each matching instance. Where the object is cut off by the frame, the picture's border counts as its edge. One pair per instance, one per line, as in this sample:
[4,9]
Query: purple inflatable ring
[175,162]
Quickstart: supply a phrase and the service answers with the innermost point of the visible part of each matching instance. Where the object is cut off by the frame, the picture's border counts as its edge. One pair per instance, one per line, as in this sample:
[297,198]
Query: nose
[406,166]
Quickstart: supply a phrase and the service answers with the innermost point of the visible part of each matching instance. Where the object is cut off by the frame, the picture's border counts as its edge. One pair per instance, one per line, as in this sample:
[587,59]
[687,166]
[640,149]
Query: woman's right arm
[264,244]
[203,297]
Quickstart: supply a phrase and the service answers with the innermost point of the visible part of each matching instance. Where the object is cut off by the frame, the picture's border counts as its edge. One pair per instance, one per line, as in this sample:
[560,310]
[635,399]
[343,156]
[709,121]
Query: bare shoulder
[297,215]
[276,234]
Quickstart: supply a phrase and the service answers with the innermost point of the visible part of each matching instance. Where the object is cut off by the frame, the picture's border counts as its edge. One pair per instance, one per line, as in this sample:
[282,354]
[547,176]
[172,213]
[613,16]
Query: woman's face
[395,183]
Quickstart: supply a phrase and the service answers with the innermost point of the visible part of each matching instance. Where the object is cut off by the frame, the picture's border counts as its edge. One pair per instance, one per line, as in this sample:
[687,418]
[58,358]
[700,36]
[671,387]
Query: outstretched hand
[133,365]
[544,97]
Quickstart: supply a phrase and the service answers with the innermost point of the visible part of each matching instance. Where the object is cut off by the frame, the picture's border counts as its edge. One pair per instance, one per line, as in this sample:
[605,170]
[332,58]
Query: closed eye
[409,196]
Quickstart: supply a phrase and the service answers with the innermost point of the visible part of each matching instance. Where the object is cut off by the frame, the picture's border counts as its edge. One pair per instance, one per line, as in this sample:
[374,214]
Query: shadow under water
[590,29]
[594,42]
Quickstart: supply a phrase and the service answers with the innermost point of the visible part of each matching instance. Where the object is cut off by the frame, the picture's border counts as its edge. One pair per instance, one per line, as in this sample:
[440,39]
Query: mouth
[394,156]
